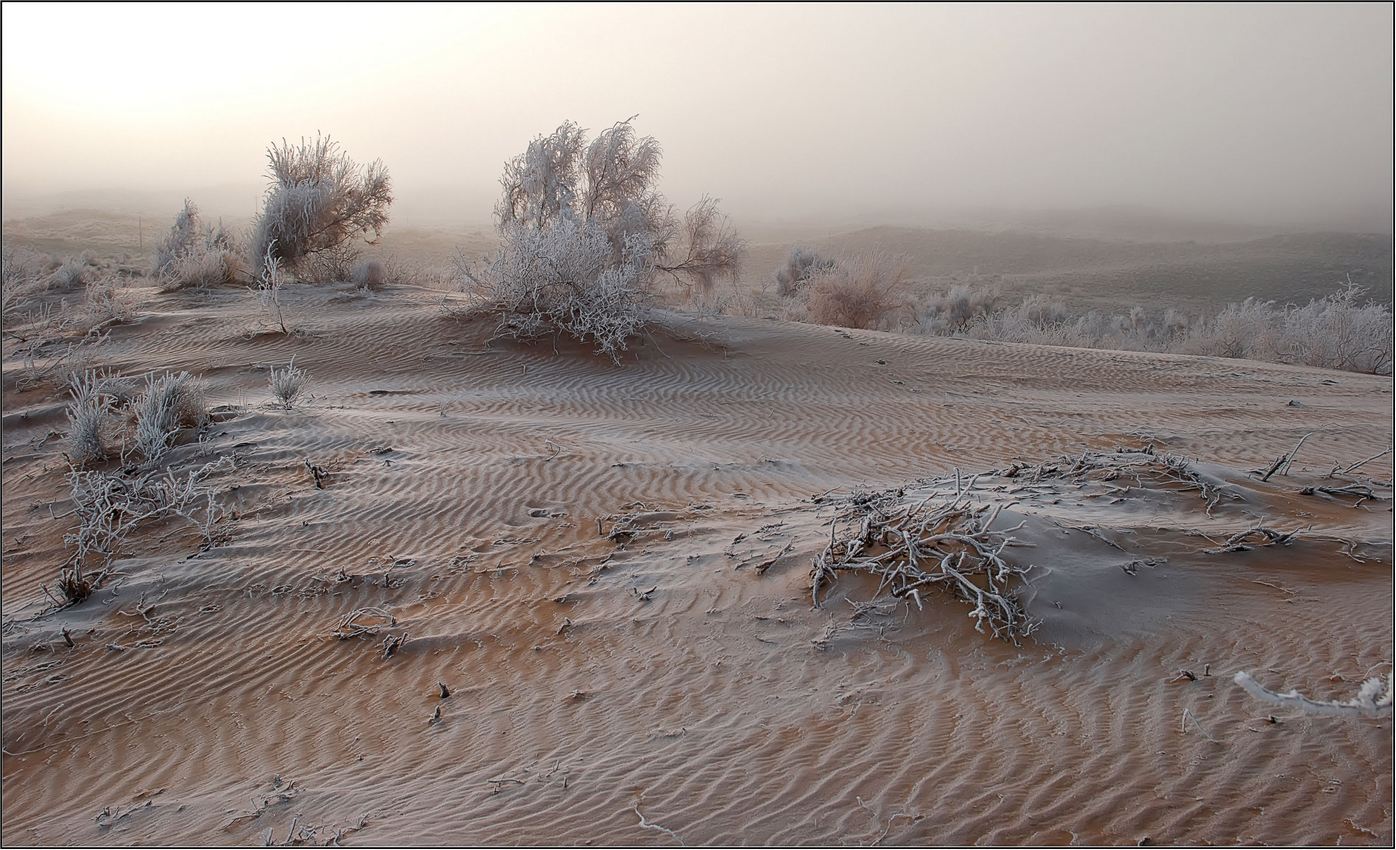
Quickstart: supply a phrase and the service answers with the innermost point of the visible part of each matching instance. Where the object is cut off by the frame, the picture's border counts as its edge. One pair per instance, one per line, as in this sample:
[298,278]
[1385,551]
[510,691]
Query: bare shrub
[171,401]
[370,274]
[287,383]
[714,250]
[585,235]
[332,265]
[860,292]
[800,266]
[318,200]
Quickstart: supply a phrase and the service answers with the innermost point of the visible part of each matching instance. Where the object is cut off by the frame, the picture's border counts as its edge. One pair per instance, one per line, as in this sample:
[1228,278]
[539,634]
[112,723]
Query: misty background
[1275,115]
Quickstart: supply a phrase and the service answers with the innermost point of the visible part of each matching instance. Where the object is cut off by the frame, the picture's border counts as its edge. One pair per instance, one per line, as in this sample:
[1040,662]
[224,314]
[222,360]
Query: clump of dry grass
[860,292]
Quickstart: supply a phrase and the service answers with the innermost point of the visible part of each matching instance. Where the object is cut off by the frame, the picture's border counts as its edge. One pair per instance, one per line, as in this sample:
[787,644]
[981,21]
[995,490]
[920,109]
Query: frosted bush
[71,273]
[87,417]
[195,254]
[953,310]
[319,200]
[800,266]
[287,384]
[1339,332]
[370,274]
[183,238]
[107,301]
[170,402]
[586,233]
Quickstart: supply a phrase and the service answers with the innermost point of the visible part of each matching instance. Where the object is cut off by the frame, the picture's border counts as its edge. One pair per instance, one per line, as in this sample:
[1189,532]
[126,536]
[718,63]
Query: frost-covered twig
[1373,698]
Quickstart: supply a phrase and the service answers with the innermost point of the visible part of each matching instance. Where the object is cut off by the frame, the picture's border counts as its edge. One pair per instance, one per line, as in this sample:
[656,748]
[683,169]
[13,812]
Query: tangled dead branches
[1245,541]
[913,547]
[110,506]
[1161,469]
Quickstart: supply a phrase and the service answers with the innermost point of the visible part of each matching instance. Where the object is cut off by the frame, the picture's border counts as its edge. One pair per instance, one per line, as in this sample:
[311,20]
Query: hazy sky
[1251,111]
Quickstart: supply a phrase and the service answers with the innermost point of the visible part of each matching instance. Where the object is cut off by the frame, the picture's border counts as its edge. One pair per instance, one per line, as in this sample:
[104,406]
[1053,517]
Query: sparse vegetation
[318,201]
[585,235]
[1338,331]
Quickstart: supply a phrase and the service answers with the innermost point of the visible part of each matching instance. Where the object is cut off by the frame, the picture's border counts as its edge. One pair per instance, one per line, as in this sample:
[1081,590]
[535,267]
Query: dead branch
[1348,469]
[1251,538]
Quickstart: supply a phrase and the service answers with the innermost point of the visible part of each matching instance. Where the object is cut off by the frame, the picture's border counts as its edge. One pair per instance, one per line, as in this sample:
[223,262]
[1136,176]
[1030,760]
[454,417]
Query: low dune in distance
[608,567]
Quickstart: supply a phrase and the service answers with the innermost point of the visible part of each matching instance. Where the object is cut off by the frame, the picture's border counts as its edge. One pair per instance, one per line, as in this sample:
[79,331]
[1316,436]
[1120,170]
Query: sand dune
[677,685]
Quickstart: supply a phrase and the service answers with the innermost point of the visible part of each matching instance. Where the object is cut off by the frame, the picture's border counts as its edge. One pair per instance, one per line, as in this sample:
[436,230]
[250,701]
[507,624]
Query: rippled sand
[679,686]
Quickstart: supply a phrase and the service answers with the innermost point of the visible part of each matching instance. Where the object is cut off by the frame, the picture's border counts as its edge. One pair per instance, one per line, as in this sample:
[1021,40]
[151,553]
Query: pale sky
[1254,112]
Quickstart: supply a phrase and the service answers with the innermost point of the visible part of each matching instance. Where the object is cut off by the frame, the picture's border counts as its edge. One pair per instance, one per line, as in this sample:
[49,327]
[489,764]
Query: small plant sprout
[288,383]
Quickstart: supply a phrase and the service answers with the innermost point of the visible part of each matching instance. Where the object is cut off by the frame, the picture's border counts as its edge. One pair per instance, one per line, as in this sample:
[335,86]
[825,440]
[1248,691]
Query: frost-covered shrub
[21,274]
[107,301]
[370,274]
[196,255]
[953,310]
[87,418]
[800,266]
[72,273]
[586,233]
[319,199]
[183,238]
[565,278]
[858,292]
[171,401]
[1339,331]
[268,287]
[287,383]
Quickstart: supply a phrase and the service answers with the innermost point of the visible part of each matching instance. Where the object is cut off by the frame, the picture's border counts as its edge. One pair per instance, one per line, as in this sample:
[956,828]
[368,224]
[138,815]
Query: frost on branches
[586,236]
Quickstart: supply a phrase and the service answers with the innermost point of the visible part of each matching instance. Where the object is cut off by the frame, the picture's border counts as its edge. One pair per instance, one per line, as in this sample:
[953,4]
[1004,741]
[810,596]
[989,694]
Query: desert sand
[674,683]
